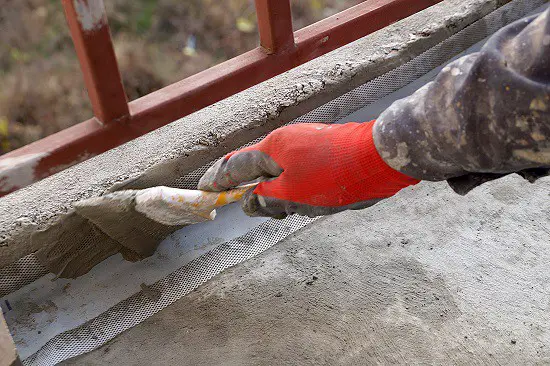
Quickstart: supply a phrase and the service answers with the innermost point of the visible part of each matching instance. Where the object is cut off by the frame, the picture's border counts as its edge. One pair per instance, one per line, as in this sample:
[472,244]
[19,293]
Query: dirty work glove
[312,169]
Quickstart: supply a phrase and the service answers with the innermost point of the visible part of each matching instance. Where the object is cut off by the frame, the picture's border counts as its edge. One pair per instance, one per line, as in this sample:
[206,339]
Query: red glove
[318,169]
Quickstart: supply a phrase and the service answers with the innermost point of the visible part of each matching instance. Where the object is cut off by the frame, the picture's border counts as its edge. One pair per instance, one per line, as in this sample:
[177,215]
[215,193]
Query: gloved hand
[312,169]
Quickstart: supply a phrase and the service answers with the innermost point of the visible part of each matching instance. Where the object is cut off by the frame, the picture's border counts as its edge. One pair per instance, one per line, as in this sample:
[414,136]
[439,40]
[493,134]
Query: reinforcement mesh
[140,306]
[20,273]
[133,310]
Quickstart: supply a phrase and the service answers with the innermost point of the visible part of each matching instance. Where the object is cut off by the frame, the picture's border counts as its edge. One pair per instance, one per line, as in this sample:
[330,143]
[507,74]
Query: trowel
[165,205]
[143,216]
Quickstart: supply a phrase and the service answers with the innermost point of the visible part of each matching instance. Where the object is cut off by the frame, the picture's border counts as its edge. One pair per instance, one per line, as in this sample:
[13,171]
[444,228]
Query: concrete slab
[425,277]
[184,145]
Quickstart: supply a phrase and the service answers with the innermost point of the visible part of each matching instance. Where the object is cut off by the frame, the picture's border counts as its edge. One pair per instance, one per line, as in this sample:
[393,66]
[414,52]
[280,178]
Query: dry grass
[41,87]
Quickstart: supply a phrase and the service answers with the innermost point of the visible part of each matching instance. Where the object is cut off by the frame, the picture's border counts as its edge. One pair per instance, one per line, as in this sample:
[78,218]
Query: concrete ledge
[190,142]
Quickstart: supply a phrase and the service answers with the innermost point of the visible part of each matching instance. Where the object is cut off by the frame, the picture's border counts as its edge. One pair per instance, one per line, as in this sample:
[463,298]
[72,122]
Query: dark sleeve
[485,115]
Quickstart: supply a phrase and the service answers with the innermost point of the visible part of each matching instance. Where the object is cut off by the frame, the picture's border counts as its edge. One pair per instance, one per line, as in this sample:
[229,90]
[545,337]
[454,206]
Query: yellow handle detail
[233,195]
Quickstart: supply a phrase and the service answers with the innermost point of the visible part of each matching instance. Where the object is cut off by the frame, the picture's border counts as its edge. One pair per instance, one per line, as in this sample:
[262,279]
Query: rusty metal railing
[116,121]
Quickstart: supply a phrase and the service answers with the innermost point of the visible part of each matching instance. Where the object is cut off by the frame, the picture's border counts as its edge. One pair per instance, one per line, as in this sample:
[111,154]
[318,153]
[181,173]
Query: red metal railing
[116,121]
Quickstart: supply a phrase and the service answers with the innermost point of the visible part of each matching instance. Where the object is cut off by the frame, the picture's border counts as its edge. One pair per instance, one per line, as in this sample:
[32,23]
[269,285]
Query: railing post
[275,25]
[92,40]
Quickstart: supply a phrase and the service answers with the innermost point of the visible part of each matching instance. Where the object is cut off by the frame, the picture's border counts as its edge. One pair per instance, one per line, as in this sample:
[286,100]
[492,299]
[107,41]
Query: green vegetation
[157,43]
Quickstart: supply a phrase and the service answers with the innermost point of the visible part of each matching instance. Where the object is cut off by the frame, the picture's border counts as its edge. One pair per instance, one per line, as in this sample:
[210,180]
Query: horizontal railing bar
[80,142]
[352,24]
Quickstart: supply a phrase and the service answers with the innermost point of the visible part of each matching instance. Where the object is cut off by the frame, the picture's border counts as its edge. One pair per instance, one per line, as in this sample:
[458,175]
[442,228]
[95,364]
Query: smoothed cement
[425,277]
[169,152]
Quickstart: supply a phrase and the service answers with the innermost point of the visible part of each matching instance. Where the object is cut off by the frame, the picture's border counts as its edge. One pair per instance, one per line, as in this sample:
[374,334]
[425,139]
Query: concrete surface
[425,277]
[186,144]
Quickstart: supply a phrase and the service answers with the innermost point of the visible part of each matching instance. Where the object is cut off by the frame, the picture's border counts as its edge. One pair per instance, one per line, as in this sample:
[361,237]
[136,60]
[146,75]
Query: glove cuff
[379,179]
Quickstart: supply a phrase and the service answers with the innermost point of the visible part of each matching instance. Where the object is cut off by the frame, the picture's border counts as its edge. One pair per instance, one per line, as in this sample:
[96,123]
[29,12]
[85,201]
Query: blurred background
[157,42]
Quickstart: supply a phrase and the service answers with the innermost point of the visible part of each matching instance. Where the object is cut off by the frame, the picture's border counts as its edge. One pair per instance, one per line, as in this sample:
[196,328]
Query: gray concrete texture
[425,277]
[178,148]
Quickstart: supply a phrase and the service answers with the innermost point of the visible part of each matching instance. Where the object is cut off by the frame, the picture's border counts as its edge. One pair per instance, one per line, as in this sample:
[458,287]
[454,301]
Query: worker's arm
[486,115]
